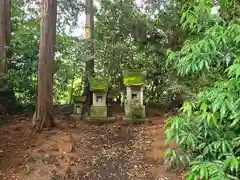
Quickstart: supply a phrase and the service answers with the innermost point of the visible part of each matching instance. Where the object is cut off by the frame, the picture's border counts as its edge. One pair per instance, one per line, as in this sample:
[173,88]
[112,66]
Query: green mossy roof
[80,98]
[133,78]
[99,84]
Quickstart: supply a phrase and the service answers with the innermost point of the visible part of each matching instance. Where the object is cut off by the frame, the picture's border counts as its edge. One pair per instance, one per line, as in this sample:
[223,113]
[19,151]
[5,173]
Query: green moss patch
[133,78]
[99,84]
[79,99]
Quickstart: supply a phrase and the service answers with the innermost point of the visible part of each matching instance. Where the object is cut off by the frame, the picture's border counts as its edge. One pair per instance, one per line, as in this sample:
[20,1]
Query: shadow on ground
[83,151]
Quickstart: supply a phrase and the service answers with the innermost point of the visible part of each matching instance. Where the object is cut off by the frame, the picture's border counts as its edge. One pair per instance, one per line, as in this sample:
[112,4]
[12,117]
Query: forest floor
[83,151]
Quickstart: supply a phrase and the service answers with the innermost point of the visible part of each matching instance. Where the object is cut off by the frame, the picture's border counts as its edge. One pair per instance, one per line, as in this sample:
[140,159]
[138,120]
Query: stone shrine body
[133,105]
[77,107]
[99,87]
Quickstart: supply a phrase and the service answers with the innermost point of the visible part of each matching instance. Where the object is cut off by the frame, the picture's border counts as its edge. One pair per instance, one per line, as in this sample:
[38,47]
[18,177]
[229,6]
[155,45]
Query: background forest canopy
[125,36]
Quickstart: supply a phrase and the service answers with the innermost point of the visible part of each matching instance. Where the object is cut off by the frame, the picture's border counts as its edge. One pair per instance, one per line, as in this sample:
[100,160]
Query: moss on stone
[133,78]
[99,84]
[98,112]
[79,99]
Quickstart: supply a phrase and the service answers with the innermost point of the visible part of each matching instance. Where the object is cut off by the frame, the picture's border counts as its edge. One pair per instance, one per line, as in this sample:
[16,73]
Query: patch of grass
[53,178]
[34,159]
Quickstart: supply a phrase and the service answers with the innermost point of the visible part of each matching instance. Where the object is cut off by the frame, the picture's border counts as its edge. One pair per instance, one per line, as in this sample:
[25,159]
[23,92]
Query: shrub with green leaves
[208,129]
[137,111]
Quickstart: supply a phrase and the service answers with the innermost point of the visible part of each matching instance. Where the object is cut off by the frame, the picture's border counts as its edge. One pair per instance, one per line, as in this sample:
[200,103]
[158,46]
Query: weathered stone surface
[97,95]
[77,108]
[98,112]
[128,111]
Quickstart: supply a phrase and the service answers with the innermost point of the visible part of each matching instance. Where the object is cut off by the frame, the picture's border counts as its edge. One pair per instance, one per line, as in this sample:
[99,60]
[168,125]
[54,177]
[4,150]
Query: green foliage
[206,170]
[70,57]
[125,37]
[22,75]
[137,112]
[69,68]
[207,129]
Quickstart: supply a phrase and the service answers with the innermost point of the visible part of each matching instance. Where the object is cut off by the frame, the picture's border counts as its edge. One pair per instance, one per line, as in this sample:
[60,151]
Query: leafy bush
[208,128]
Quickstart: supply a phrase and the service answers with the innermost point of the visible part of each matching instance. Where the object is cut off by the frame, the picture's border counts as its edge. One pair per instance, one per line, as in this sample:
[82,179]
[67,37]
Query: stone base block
[76,117]
[98,112]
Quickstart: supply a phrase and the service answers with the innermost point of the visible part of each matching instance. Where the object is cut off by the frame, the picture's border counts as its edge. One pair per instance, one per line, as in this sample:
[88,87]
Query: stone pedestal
[98,112]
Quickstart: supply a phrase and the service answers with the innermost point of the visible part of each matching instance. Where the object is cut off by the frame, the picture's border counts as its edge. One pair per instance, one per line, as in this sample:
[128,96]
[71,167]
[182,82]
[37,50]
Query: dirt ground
[83,151]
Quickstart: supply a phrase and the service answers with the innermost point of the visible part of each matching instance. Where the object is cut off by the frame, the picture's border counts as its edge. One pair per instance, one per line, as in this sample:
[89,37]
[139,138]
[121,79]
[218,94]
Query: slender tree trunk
[43,117]
[8,28]
[89,66]
[3,35]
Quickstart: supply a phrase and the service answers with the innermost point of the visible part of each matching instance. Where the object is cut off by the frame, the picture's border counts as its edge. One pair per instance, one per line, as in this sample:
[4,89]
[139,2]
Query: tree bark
[4,34]
[7,97]
[43,117]
[8,29]
[89,66]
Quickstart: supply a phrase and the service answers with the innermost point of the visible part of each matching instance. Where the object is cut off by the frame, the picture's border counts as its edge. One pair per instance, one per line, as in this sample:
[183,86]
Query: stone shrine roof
[133,78]
[99,83]
[79,99]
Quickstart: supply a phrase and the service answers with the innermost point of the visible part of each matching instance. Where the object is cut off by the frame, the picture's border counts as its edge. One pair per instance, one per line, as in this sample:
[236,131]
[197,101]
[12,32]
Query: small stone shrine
[133,107]
[78,103]
[99,87]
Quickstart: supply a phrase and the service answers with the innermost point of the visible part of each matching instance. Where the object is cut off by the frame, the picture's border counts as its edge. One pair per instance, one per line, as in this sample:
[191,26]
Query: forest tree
[5,33]
[89,66]
[7,98]
[44,111]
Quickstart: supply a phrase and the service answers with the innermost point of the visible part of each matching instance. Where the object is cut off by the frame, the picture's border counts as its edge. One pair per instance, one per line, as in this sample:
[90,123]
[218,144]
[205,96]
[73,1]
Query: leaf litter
[83,151]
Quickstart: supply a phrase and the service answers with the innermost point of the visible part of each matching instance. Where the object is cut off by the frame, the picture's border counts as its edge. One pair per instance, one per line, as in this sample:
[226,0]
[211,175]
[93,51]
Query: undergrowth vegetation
[207,129]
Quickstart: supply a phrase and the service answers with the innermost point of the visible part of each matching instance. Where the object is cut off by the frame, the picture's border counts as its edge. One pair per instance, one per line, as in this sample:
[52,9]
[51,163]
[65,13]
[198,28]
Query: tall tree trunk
[4,34]
[43,117]
[8,28]
[7,97]
[89,66]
